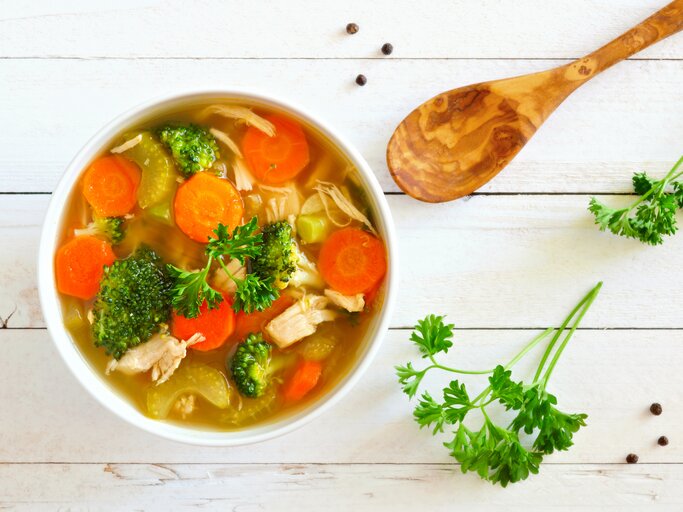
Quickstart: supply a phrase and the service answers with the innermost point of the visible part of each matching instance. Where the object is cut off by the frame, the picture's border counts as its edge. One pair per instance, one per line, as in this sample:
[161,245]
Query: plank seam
[322,464]
[378,58]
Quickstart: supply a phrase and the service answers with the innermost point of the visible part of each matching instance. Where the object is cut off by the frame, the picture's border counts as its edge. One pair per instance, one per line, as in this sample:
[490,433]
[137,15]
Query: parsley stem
[661,185]
[590,298]
[529,346]
[456,370]
[670,175]
[558,333]
[225,269]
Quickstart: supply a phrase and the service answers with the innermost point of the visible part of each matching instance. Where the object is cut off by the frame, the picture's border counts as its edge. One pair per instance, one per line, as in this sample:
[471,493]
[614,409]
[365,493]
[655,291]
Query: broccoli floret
[193,148]
[109,227]
[279,254]
[250,366]
[134,298]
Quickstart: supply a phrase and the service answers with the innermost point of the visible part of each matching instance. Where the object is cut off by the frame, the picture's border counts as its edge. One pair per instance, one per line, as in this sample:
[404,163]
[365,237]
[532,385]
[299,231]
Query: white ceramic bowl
[96,383]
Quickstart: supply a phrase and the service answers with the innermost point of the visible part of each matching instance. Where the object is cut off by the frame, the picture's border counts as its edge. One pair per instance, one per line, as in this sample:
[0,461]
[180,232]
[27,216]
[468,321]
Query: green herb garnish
[496,453]
[649,217]
[191,288]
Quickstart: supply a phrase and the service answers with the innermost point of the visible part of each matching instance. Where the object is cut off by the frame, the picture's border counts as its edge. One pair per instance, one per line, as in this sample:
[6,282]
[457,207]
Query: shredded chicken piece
[331,191]
[243,178]
[185,405]
[283,202]
[243,113]
[351,303]
[225,139]
[222,281]
[299,320]
[127,145]
[162,354]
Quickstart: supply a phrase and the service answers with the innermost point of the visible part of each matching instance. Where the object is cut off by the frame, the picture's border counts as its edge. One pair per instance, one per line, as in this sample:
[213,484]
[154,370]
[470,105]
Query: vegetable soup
[219,265]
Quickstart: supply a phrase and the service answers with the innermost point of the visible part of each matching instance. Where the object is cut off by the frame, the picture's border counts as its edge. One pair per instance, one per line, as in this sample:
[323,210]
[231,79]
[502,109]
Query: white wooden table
[512,258]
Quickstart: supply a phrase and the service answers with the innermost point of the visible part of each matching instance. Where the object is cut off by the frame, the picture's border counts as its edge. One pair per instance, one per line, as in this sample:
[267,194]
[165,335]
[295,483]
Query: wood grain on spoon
[457,141]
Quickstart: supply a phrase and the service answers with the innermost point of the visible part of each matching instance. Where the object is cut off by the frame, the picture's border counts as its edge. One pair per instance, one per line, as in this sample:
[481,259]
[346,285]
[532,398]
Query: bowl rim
[95,384]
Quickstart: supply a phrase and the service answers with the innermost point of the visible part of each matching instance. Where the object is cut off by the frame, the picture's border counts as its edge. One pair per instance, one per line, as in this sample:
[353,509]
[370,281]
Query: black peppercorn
[656,409]
[361,80]
[351,28]
[387,48]
[631,458]
[663,441]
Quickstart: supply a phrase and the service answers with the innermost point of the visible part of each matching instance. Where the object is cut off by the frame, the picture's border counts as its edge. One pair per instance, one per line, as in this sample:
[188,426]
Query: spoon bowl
[457,141]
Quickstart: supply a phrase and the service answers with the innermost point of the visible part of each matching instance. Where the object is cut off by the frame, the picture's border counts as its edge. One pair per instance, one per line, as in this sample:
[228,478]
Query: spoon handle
[665,22]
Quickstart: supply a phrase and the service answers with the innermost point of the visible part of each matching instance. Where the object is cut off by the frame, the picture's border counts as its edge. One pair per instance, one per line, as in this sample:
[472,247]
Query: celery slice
[202,380]
[159,176]
[312,229]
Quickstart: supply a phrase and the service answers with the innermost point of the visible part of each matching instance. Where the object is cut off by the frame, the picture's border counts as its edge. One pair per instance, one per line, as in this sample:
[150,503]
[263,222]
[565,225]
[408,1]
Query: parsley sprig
[650,217]
[191,287]
[495,452]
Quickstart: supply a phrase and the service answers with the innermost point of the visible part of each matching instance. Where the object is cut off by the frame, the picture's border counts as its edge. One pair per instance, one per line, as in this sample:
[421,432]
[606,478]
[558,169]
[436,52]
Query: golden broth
[327,163]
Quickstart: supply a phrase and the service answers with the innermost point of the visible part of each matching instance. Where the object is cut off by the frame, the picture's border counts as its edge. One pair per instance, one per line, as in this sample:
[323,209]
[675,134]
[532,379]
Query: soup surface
[219,265]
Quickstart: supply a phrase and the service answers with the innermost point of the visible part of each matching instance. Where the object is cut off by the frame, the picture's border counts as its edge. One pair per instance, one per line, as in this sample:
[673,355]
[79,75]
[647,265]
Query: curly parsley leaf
[243,243]
[253,294]
[555,428]
[409,378]
[503,389]
[429,412]
[191,287]
[650,217]
[456,402]
[190,290]
[432,336]
[642,183]
[495,452]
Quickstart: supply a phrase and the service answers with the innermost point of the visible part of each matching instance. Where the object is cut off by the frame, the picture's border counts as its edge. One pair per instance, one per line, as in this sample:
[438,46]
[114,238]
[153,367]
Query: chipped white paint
[311,488]
[497,261]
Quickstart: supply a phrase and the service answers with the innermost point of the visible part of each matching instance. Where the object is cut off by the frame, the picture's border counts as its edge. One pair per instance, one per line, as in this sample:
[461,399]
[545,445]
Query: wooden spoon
[454,143]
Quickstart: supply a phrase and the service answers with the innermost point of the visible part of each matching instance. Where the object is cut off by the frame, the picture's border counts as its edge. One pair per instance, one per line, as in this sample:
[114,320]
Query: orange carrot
[304,380]
[246,323]
[279,158]
[216,325]
[204,201]
[352,261]
[79,265]
[110,185]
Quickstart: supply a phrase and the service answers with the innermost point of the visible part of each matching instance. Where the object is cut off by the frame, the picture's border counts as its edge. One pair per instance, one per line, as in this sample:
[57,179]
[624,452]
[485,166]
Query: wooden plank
[340,487]
[214,28]
[613,376]
[490,261]
[628,119]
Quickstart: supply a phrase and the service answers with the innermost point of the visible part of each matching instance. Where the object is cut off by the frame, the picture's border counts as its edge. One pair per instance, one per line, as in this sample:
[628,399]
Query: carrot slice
[204,201]
[216,325]
[79,265]
[352,261]
[305,378]
[110,185]
[246,323]
[276,159]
